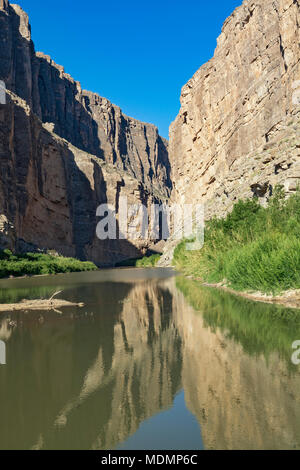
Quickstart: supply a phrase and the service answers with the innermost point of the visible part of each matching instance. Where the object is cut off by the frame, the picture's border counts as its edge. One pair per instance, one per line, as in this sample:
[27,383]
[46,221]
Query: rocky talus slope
[239,122]
[64,151]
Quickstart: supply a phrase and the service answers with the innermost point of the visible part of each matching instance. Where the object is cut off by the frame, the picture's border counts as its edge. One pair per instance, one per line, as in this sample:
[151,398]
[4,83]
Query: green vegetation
[39,263]
[146,262]
[253,248]
[261,329]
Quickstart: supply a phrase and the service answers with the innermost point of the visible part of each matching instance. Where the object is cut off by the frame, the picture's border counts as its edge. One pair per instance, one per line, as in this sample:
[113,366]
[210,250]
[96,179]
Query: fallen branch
[41,304]
[55,294]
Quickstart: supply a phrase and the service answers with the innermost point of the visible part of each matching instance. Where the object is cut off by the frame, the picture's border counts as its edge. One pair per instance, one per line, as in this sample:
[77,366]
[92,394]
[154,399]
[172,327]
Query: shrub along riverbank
[145,262]
[39,263]
[252,249]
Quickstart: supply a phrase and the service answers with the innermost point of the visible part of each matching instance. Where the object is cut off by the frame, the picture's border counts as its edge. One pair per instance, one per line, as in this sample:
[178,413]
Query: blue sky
[138,54]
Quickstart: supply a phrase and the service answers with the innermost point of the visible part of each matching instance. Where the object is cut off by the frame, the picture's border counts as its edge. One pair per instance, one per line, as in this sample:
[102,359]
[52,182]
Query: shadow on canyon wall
[47,198]
[86,120]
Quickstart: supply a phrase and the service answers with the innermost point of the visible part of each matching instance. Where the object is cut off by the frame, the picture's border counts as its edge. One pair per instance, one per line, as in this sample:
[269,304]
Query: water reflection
[244,395]
[90,378]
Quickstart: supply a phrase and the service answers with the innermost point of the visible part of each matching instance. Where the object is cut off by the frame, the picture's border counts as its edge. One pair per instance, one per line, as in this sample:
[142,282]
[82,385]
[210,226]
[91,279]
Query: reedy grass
[145,262]
[39,263]
[253,248]
[148,261]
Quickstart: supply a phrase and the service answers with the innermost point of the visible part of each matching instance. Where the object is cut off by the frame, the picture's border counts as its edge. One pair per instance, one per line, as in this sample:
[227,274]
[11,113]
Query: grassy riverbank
[252,249]
[39,263]
[148,261]
[260,328]
[145,262]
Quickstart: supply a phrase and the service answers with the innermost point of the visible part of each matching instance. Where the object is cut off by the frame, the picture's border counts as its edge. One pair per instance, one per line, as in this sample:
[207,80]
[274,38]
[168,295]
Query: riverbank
[259,327]
[289,298]
[145,262]
[39,264]
[254,252]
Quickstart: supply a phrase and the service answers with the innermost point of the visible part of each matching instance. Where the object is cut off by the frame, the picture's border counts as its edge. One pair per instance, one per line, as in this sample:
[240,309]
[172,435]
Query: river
[153,361]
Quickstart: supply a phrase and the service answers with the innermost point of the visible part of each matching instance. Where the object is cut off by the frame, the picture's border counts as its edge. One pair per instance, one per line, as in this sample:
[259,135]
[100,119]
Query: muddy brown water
[153,361]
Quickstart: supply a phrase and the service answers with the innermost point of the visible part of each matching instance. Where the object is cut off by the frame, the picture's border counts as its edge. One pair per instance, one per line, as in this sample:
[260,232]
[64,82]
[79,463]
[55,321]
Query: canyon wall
[63,152]
[239,124]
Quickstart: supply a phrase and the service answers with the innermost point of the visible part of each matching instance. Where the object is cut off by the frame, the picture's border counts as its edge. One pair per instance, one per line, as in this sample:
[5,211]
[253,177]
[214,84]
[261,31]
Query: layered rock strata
[237,132]
[239,120]
[64,151]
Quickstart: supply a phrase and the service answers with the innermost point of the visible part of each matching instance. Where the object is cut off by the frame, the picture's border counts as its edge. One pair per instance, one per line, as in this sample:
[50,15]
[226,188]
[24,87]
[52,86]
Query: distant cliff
[64,151]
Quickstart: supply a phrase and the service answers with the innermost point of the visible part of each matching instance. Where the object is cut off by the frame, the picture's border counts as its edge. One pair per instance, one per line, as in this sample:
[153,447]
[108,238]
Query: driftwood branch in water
[55,294]
[40,304]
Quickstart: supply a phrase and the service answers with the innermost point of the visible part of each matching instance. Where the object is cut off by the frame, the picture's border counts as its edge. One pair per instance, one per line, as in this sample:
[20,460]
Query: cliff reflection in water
[237,372]
[89,379]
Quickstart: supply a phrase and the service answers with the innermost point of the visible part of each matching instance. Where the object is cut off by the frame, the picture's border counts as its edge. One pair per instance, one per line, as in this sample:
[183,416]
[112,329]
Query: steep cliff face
[239,118]
[64,151]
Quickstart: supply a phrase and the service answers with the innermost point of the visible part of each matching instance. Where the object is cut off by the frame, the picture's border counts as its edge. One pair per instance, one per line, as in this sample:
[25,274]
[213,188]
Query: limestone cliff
[64,151]
[239,120]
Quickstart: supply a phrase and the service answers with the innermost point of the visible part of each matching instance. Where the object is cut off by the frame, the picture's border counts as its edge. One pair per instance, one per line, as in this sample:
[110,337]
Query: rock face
[64,151]
[239,120]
